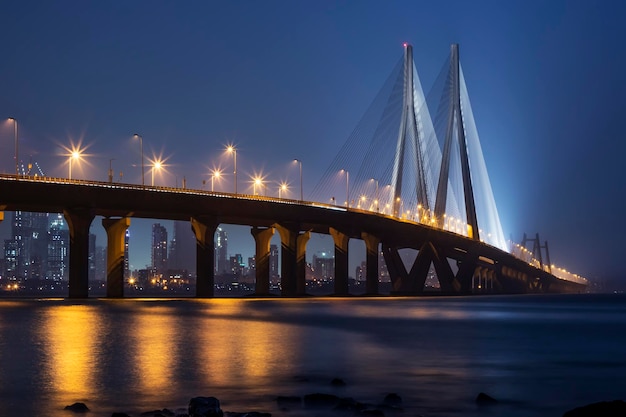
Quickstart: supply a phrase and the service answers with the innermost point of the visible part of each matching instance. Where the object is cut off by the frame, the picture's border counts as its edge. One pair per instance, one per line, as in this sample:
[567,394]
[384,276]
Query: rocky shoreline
[391,404]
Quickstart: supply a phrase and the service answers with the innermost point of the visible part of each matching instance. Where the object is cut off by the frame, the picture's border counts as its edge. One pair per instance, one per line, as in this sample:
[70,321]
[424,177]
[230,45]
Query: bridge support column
[301,242]
[371,263]
[262,238]
[204,229]
[288,261]
[1,216]
[116,232]
[341,261]
[78,221]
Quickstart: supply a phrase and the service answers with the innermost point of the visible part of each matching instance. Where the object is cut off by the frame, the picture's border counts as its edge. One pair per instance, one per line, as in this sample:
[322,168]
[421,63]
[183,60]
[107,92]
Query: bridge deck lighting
[299,162]
[216,174]
[14,120]
[232,150]
[136,136]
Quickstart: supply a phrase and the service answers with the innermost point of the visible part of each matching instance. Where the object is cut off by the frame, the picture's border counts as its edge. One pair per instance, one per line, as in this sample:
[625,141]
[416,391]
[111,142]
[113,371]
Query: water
[538,355]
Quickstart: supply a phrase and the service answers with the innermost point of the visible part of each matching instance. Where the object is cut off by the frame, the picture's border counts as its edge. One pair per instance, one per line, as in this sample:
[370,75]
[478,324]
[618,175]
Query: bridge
[433,203]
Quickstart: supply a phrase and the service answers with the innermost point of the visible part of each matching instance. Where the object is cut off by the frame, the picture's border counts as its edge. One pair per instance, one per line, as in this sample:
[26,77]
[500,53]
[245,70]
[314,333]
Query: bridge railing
[520,252]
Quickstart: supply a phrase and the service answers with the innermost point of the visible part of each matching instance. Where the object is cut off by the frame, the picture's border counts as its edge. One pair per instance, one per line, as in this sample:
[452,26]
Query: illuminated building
[159,248]
[221,250]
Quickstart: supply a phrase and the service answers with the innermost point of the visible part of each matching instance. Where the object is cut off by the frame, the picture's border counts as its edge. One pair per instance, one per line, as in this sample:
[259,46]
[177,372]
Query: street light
[257,181]
[14,120]
[233,150]
[301,191]
[216,174]
[376,195]
[347,187]
[74,155]
[282,188]
[142,170]
[156,165]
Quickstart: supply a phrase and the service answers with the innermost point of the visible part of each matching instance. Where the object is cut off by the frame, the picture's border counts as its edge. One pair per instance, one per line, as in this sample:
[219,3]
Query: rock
[284,401]
[248,414]
[77,408]
[158,413]
[318,400]
[349,404]
[205,407]
[392,399]
[483,399]
[338,382]
[371,412]
[615,408]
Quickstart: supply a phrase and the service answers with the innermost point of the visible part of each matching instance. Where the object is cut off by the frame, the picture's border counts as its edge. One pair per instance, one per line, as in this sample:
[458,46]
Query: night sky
[291,79]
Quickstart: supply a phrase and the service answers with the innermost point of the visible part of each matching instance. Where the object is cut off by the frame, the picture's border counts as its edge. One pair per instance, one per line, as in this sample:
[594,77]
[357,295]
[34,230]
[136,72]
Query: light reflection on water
[539,354]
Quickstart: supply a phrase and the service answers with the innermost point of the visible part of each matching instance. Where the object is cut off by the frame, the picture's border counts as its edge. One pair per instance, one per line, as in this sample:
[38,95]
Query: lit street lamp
[74,155]
[376,195]
[14,120]
[257,181]
[282,188]
[347,187]
[301,190]
[156,165]
[233,150]
[142,169]
[216,174]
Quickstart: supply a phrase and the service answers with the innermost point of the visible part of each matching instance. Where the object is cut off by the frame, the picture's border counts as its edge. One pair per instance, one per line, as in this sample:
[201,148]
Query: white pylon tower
[411,137]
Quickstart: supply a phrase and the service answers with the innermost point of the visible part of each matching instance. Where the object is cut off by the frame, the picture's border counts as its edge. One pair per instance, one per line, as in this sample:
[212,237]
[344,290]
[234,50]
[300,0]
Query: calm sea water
[538,355]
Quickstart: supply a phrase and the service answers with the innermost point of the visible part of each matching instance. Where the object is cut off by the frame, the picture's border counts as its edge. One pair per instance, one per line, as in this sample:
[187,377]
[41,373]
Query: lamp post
[14,120]
[73,155]
[376,195]
[347,187]
[155,166]
[216,174]
[142,168]
[257,181]
[233,150]
[282,188]
[301,190]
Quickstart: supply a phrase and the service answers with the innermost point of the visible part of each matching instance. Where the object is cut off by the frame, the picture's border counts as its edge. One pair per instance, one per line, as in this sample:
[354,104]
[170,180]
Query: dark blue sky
[290,79]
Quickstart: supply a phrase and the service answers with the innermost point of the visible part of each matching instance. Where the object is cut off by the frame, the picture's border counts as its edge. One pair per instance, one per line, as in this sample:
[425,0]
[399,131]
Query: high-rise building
[10,259]
[182,248]
[273,262]
[236,265]
[126,258]
[159,248]
[91,273]
[324,266]
[29,231]
[101,263]
[57,266]
[221,250]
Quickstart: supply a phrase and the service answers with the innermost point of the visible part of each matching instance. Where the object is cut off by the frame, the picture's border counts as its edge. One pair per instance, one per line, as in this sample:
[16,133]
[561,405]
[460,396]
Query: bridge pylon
[455,132]
[409,140]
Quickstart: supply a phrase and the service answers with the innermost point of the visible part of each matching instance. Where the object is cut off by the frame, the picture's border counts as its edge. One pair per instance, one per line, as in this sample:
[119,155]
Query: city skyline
[531,71]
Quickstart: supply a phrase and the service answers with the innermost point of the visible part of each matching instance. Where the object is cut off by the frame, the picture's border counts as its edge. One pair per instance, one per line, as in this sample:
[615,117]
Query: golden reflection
[249,347]
[71,334]
[156,352]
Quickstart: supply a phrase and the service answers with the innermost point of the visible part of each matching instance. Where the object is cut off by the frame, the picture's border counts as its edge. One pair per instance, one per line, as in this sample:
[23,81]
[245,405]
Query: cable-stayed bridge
[411,175]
